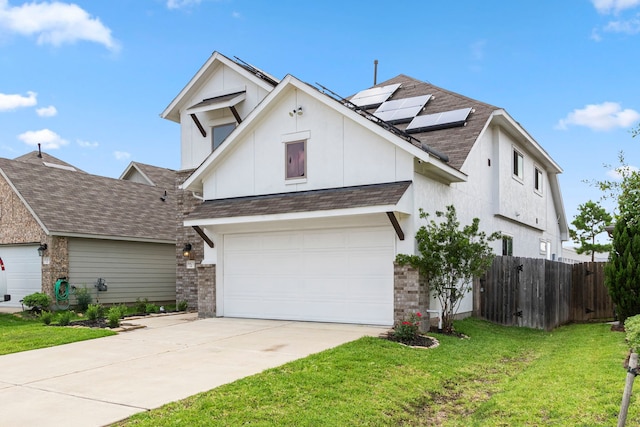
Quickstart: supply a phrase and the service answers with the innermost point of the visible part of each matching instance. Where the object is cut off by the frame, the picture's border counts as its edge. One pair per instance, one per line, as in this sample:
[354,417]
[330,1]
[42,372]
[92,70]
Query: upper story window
[537,180]
[507,246]
[220,133]
[518,165]
[296,159]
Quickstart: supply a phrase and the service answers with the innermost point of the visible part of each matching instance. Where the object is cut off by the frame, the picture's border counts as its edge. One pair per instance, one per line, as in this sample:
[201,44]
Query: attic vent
[53,165]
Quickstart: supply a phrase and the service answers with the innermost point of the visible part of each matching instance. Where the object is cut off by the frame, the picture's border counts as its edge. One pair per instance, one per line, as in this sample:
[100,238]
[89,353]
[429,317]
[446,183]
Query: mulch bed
[422,341]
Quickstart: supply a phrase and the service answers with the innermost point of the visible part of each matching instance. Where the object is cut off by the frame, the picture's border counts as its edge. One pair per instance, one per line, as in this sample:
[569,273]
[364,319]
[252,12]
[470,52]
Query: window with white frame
[296,160]
[220,133]
[518,165]
[507,245]
[537,180]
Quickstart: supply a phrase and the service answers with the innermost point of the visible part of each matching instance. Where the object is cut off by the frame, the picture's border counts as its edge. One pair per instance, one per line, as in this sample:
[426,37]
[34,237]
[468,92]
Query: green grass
[499,377]
[21,334]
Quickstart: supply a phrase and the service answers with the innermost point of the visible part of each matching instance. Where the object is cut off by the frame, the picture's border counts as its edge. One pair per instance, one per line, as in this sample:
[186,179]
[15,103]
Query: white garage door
[339,275]
[23,274]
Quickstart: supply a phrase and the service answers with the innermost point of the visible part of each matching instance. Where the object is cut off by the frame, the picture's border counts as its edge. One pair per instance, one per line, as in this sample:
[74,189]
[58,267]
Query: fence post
[626,396]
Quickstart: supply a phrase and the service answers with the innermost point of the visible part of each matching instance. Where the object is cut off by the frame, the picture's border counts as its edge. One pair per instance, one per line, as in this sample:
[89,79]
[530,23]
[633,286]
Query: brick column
[411,294]
[186,279]
[206,291]
[58,254]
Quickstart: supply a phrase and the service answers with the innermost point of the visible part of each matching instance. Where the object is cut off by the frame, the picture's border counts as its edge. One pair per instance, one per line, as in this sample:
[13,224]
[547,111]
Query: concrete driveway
[101,381]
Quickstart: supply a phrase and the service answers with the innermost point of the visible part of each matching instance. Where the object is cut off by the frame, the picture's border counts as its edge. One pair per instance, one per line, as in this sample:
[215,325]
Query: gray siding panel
[131,269]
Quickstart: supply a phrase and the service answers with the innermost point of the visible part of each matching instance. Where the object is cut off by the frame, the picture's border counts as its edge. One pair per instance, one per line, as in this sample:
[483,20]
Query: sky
[88,79]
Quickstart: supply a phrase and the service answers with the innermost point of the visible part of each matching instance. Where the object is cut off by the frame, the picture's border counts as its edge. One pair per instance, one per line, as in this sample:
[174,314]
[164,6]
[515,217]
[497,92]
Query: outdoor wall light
[297,111]
[41,249]
[186,251]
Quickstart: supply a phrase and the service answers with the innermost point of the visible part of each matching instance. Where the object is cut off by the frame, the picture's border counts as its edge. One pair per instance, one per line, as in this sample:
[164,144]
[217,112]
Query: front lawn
[499,377]
[20,334]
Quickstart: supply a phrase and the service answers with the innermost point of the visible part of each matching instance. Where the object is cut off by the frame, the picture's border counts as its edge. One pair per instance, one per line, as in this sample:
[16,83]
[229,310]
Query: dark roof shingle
[303,201]
[455,142]
[69,202]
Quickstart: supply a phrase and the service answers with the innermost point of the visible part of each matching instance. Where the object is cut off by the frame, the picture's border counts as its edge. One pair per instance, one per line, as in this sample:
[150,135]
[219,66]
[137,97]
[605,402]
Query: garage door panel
[22,272]
[339,275]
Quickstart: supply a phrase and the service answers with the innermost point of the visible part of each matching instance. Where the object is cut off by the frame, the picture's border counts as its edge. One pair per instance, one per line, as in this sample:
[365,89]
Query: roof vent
[56,166]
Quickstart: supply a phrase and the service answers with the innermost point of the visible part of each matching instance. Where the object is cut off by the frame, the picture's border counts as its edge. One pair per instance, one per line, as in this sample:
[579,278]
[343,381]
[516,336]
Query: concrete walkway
[101,381]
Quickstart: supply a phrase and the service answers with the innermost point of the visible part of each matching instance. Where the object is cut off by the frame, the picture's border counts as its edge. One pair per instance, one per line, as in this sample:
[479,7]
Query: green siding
[131,269]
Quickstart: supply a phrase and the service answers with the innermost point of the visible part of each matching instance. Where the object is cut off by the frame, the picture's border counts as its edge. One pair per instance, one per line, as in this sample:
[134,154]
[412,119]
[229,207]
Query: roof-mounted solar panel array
[401,110]
[373,97]
[447,119]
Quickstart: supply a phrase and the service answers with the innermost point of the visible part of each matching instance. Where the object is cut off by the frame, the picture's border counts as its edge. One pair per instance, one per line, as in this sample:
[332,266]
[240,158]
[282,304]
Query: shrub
[183,305]
[94,312]
[632,329]
[64,318]
[83,299]
[141,305]
[409,329]
[37,301]
[113,316]
[151,308]
[122,309]
[46,317]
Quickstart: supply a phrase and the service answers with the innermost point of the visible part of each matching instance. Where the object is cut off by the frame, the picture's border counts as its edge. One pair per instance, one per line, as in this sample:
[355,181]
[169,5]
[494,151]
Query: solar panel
[401,110]
[373,97]
[435,121]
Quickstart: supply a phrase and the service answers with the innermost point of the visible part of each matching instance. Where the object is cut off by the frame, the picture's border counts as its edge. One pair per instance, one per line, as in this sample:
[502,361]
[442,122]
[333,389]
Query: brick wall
[58,255]
[16,222]
[187,279]
[411,294]
[206,291]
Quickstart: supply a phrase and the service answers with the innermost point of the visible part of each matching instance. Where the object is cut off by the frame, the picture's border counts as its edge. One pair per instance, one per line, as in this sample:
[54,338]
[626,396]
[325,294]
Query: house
[297,201]
[58,221]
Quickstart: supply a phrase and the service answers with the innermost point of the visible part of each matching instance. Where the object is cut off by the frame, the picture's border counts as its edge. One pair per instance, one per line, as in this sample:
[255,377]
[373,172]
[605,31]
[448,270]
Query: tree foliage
[622,272]
[450,257]
[590,221]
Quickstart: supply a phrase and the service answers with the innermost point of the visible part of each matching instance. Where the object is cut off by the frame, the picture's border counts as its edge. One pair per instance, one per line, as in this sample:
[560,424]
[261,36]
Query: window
[518,165]
[295,160]
[537,180]
[543,247]
[220,133]
[507,246]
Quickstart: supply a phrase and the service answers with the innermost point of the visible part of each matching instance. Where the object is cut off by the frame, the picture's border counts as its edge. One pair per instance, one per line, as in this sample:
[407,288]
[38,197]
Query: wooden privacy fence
[541,294]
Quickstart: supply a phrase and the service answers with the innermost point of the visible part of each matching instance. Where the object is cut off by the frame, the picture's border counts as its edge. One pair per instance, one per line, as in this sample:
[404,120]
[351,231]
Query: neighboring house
[93,227]
[304,199]
[571,256]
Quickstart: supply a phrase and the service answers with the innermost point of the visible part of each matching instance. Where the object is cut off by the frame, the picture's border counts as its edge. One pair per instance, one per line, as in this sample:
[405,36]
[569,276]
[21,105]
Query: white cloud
[615,6]
[121,155]
[49,111]
[605,116]
[630,26]
[49,139]
[179,4]
[13,101]
[87,144]
[55,23]
[622,170]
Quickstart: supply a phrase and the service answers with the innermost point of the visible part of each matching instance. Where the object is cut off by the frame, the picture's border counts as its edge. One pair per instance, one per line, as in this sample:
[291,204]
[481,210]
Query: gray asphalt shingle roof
[303,201]
[455,142]
[69,202]
[162,177]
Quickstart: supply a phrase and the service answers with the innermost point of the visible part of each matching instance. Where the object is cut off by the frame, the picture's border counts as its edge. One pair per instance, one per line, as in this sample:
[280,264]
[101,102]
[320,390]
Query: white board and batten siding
[331,275]
[132,270]
[22,273]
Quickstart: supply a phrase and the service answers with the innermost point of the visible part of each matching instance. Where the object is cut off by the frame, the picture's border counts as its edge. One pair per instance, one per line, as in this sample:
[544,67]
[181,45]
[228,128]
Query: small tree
[450,257]
[622,272]
[591,220]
